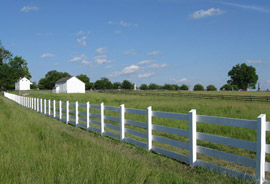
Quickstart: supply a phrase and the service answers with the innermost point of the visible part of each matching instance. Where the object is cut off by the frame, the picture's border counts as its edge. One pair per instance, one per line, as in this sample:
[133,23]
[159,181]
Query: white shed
[22,84]
[69,85]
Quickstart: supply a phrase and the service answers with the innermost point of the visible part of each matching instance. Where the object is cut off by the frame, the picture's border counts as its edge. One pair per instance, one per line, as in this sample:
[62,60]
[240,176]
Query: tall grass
[38,149]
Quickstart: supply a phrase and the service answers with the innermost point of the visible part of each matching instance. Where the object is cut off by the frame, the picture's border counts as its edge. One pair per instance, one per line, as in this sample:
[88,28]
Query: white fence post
[41,110]
[149,128]
[67,112]
[87,116]
[60,110]
[45,104]
[54,112]
[192,137]
[261,144]
[76,114]
[32,101]
[101,118]
[37,105]
[122,122]
[49,107]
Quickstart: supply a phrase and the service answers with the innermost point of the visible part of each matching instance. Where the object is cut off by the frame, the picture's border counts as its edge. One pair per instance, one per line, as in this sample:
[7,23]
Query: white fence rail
[70,114]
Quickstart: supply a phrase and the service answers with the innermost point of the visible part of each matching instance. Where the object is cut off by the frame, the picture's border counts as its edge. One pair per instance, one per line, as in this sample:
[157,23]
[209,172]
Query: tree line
[12,68]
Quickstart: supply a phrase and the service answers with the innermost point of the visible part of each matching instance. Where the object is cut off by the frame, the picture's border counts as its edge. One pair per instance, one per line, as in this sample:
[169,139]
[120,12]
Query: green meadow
[35,148]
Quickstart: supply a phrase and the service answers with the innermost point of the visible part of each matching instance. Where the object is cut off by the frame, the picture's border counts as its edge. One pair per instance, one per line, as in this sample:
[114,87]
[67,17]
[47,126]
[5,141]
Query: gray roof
[63,79]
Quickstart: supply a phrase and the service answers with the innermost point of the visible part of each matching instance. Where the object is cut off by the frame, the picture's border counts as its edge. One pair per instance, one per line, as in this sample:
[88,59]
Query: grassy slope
[39,149]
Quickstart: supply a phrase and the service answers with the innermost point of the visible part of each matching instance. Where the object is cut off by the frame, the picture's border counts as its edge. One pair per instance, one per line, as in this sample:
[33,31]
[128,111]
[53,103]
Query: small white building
[69,85]
[22,84]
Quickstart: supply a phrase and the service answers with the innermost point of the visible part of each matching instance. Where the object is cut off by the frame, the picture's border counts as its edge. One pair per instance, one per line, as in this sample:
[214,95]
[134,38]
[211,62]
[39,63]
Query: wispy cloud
[85,62]
[144,62]
[131,69]
[101,50]
[260,62]
[249,7]
[109,66]
[77,58]
[145,75]
[122,23]
[83,33]
[153,53]
[29,8]
[129,52]
[46,55]
[101,59]
[82,41]
[206,13]
[117,31]
[180,80]
[157,66]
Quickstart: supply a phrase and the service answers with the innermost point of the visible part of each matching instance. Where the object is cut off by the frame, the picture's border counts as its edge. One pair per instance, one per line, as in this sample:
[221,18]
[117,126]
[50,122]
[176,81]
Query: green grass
[213,107]
[38,149]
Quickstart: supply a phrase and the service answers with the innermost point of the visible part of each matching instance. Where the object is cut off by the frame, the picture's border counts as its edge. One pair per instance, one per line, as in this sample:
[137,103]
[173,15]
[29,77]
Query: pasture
[213,107]
[39,149]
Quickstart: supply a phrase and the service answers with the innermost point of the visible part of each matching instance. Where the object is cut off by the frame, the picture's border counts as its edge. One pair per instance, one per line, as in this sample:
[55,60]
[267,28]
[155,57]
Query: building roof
[63,79]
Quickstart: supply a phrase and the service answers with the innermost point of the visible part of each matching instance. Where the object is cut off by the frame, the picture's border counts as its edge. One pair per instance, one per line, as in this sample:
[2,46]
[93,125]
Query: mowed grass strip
[38,149]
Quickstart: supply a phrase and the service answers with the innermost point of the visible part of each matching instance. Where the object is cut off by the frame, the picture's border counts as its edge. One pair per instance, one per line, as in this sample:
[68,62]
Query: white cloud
[258,62]
[127,71]
[268,81]
[29,8]
[109,66]
[145,75]
[82,41]
[180,80]
[157,66]
[83,32]
[101,59]
[153,53]
[249,7]
[129,52]
[144,62]
[46,55]
[85,62]
[122,23]
[77,58]
[205,13]
[101,50]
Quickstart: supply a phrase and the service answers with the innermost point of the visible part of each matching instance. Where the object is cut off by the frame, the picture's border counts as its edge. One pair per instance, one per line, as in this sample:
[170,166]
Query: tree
[34,85]
[127,85]
[226,87]
[48,82]
[144,87]
[184,87]
[198,87]
[243,76]
[5,55]
[117,85]
[211,88]
[83,78]
[153,86]
[103,83]
[169,87]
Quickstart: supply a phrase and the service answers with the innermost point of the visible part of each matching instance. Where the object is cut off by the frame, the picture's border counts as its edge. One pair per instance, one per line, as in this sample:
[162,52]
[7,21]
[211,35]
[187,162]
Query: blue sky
[144,41]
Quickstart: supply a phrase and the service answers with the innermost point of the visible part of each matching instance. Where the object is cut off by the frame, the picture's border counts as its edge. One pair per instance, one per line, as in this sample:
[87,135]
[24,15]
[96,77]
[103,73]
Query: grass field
[214,107]
[38,149]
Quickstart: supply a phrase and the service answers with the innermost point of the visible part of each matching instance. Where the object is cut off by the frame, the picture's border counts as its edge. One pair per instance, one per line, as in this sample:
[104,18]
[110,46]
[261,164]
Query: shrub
[198,87]
[211,88]
[184,87]
[226,87]
[144,87]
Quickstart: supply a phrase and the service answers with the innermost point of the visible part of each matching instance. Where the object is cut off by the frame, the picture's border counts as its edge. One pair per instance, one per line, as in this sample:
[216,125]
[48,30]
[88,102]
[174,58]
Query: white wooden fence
[76,117]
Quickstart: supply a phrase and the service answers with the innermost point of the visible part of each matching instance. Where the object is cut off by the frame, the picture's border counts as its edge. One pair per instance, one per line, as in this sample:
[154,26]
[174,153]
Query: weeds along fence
[192,95]
[82,115]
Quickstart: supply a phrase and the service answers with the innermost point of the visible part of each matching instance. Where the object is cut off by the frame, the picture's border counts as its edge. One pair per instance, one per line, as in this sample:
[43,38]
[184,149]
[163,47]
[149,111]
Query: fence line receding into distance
[69,113]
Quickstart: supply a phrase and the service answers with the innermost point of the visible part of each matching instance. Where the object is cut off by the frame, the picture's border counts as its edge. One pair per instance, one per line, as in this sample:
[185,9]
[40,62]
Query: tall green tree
[116,85]
[127,85]
[48,82]
[83,78]
[153,86]
[243,76]
[103,83]
[143,87]
[5,55]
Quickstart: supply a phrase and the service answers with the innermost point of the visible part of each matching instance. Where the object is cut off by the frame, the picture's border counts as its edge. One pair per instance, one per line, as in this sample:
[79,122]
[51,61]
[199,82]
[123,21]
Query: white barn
[23,84]
[69,85]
